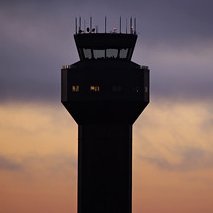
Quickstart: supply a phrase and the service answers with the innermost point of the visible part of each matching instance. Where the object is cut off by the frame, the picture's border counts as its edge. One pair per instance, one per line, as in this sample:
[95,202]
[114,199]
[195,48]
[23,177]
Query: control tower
[105,92]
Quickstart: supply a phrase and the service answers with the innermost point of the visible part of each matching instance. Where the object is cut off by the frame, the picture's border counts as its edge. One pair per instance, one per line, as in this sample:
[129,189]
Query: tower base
[104,168]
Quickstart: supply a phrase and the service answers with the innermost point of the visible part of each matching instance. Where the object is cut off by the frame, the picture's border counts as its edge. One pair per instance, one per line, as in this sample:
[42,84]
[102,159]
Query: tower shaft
[104,168]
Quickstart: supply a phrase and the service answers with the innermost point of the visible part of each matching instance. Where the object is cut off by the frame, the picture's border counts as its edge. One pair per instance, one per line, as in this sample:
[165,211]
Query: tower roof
[113,45]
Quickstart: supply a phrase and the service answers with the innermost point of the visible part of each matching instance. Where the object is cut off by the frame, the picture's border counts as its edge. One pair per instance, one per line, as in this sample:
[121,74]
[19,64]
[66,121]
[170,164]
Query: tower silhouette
[105,92]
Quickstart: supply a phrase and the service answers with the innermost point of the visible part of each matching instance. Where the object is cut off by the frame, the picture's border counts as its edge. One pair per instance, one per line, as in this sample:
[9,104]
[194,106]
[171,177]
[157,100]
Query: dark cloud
[191,83]
[7,164]
[181,22]
[36,40]
[191,159]
[64,164]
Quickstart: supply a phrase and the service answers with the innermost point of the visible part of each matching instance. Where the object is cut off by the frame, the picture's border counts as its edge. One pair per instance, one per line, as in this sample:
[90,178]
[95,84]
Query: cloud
[35,41]
[182,74]
[60,165]
[176,136]
[207,123]
[35,165]
[7,164]
[191,159]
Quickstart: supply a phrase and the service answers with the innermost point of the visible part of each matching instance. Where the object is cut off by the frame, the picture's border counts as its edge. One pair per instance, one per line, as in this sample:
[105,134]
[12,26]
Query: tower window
[99,54]
[112,53]
[116,88]
[75,88]
[123,53]
[94,88]
[87,53]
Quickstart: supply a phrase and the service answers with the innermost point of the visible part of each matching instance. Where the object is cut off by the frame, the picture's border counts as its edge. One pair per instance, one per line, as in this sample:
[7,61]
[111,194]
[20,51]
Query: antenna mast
[105,23]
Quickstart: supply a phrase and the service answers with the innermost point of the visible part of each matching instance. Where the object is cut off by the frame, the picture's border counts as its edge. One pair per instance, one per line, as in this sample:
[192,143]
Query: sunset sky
[172,139]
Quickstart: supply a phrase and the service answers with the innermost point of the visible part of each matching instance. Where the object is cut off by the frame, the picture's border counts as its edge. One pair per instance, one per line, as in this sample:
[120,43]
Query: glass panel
[123,53]
[87,53]
[99,53]
[112,53]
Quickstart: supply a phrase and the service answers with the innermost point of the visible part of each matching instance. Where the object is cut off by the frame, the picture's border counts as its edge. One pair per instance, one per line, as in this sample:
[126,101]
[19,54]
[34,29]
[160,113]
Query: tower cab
[105,46]
[105,84]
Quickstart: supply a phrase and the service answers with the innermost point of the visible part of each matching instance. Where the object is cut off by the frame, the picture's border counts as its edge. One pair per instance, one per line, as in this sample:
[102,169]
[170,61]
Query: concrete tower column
[104,168]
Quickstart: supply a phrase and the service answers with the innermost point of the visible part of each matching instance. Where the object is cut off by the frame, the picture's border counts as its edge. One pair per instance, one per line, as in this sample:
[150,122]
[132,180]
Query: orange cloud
[172,159]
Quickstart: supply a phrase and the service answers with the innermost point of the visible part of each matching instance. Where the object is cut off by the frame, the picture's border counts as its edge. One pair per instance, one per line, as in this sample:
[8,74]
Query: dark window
[116,88]
[112,53]
[87,53]
[123,53]
[99,54]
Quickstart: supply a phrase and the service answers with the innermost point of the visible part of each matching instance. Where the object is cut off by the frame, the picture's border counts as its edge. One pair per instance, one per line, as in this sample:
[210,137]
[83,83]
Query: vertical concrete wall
[104,168]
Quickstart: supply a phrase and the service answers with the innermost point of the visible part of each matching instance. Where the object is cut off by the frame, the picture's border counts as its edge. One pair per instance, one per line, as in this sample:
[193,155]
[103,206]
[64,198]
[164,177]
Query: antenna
[84,25]
[105,23]
[76,25]
[79,25]
[120,24]
[126,25]
[131,25]
[90,24]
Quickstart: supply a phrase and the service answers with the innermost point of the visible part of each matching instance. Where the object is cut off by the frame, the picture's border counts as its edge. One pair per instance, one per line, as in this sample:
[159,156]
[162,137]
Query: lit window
[94,88]
[87,53]
[75,88]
